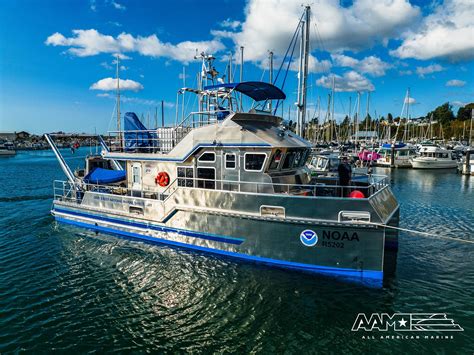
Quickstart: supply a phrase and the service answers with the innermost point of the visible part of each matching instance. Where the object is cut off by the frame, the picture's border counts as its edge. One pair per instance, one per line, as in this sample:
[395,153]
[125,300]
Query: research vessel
[231,183]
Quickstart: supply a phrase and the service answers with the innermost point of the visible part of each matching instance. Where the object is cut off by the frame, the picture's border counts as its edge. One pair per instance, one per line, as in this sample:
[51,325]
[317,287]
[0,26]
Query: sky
[57,58]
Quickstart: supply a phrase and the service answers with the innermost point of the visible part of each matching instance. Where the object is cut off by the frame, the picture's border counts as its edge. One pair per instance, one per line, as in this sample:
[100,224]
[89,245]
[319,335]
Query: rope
[425,234]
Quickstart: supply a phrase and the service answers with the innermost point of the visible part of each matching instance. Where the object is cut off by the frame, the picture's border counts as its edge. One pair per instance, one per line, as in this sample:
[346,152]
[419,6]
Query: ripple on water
[63,288]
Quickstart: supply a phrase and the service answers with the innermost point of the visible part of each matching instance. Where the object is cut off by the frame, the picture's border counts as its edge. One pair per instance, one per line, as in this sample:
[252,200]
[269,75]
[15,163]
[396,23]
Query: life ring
[162,179]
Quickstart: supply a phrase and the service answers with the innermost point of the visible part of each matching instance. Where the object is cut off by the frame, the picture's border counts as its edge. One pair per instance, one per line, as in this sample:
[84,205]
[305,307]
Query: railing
[69,192]
[203,118]
[66,191]
[162,139]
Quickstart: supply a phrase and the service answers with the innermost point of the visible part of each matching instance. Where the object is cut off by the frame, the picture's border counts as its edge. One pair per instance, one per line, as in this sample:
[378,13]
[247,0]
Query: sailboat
[397,154]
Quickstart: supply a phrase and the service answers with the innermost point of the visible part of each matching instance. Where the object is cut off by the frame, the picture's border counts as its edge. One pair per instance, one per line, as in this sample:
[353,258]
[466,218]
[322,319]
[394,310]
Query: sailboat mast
[470,130]
[333,120]
[118,102]
[349,131]
[270,75]
[408,115]
[356,128]
[303,73]
[305,68]
[367,116]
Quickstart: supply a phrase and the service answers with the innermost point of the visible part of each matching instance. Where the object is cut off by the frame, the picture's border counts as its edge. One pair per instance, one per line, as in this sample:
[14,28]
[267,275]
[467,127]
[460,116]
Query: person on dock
[345,174]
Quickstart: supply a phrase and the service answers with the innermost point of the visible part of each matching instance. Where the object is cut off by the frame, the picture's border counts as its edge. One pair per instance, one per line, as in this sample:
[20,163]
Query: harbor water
[68,289]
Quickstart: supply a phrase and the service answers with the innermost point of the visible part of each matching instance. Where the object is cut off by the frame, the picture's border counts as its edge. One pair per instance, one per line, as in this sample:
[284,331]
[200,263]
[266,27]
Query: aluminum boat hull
[354,250]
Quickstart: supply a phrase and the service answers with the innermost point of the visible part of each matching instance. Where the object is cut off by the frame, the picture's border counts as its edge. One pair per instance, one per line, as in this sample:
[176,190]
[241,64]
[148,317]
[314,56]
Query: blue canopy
[136,137]
[257,90]
[104,176]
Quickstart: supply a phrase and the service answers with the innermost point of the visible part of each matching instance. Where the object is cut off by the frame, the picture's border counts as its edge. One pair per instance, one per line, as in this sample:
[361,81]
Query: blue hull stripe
[202,145]
[369,274]
[207,236]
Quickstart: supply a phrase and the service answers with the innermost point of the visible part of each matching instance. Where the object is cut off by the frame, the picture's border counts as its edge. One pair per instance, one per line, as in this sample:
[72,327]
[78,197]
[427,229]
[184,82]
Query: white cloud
[232,24]
[350,81]
[93,5]
[109,84]
[410,100]
[85,43]
[314,65]
[447,33]
[370,65]
[106,65]
[118,6]
[405,72]
[433,68]
[270,24]
[455,82]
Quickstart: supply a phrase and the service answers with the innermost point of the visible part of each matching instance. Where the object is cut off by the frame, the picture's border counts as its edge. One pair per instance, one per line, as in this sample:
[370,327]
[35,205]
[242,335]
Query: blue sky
[53,52]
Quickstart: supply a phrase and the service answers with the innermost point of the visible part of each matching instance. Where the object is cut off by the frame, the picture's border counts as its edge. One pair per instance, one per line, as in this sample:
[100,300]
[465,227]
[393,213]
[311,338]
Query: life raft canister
[162,179]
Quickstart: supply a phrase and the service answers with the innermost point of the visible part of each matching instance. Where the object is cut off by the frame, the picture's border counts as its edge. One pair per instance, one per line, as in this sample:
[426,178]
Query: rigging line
[318,37]
[288,49]
[263,74]
[286,74]
[431,235]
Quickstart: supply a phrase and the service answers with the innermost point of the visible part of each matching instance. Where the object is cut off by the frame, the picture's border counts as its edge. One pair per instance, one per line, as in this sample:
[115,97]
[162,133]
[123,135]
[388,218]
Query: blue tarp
[257,90]
[136,137]
[104,176]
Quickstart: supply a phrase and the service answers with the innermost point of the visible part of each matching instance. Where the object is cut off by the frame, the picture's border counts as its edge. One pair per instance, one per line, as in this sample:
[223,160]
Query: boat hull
[420,163]
[349,250]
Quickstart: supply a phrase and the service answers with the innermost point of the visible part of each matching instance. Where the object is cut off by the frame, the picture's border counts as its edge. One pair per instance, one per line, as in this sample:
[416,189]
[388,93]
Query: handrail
[207,113]
[378,183]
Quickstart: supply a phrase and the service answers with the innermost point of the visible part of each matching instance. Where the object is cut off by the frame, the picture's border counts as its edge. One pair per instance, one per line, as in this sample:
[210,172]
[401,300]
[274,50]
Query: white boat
[7,149]
[402,155]
[434,157]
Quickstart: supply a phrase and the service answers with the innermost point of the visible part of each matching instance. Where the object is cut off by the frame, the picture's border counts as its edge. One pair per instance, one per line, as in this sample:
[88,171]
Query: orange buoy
[356,194]
[162,179]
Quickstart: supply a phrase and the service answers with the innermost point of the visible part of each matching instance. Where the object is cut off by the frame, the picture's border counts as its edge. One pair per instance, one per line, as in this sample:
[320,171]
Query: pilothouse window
[230,161]
[254,161]
[275,160]
[288,163]
[208,157]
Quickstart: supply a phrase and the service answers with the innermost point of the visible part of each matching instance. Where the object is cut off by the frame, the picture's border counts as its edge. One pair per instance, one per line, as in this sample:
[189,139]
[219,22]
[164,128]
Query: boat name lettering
[336,235]
[116,200]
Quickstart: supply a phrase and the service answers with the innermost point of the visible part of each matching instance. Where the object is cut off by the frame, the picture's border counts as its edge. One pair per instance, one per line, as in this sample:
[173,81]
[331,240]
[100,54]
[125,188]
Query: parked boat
[236,186]
[402,154]
[7,149]
[433,156]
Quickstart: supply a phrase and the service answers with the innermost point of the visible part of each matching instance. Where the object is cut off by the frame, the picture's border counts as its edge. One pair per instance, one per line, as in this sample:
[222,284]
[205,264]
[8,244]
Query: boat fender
[162,179]
[356,194]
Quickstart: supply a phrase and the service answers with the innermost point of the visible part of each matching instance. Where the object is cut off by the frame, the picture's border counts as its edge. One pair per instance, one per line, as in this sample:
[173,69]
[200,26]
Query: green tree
[464,113]
[389,118]
[443,114]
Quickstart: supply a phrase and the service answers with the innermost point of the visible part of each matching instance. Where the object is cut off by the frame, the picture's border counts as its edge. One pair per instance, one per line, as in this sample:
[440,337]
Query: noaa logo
[309,238]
